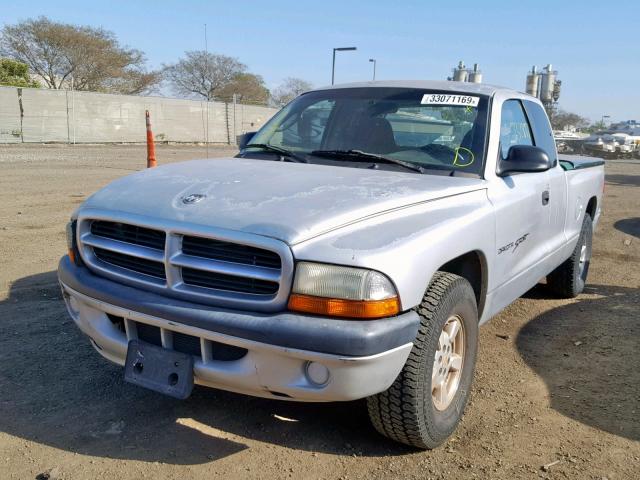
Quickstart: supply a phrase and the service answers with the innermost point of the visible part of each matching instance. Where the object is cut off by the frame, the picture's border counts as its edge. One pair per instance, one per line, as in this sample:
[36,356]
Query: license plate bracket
[159,369]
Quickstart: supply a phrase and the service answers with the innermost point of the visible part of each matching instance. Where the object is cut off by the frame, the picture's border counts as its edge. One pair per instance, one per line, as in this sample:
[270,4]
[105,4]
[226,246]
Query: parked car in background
[605,144]
[600,145]
[626,145]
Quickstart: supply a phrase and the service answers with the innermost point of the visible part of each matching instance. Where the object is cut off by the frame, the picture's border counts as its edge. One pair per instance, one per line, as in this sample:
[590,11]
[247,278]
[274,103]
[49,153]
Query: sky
[595,46]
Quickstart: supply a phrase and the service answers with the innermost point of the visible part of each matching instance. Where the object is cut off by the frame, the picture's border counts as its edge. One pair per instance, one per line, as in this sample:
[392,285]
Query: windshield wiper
[359,155]
[284,154]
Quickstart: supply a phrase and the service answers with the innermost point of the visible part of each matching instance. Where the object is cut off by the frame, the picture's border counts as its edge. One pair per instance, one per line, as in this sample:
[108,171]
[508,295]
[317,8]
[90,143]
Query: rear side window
[514,127]
[542,133]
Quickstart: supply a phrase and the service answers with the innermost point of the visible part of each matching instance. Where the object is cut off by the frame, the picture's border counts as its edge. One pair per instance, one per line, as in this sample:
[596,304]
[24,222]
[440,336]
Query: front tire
[425,403]
[569,279]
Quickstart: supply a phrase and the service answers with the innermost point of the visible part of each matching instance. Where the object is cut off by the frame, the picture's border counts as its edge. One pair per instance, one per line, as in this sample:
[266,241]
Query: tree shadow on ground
[56,390]
[587,354]
[630,226]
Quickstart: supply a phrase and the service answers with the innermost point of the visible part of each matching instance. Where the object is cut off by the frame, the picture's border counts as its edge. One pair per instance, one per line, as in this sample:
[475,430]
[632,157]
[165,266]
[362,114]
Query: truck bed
[577,162]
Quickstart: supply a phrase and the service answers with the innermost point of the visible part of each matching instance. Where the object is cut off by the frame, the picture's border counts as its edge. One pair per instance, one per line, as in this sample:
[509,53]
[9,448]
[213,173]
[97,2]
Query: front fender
[410,245]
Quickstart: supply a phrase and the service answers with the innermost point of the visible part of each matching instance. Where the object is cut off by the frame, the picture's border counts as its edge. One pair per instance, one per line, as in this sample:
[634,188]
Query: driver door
[521,213]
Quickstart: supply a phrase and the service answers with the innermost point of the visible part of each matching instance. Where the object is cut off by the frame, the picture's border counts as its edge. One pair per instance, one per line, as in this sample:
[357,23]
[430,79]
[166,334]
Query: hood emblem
[193,198]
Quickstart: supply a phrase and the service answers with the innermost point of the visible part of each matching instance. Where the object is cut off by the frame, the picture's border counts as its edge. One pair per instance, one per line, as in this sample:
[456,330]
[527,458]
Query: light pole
[333,67]
[603,117]
[373,60]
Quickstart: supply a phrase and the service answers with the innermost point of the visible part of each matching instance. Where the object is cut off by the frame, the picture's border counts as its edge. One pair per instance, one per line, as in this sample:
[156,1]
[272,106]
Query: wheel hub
[448,363]
[583,259]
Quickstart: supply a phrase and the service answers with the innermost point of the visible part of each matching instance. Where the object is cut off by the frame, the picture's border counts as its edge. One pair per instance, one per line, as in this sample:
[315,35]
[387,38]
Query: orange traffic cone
[151,147]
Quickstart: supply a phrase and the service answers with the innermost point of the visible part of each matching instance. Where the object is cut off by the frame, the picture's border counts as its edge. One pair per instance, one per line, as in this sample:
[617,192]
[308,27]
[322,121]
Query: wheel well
[473,267]
[591,207]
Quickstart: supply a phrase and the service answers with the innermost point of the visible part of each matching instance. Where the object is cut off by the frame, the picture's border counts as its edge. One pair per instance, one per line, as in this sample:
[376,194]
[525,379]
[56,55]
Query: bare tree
[55,52]
[289,89]
[563,119]
[248,87]
[203,74]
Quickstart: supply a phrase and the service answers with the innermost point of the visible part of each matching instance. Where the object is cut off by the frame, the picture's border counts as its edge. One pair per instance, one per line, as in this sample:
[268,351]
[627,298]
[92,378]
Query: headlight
[342,292]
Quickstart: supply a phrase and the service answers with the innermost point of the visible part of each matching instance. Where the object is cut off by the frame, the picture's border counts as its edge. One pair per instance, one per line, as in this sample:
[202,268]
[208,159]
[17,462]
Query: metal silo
[547,84]
[532,82]
[460,73]
[475,76]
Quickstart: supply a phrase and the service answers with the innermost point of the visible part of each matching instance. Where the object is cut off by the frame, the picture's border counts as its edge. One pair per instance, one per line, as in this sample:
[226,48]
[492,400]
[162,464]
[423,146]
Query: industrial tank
[532,82]
[547,84]
[460,73]
[475,75]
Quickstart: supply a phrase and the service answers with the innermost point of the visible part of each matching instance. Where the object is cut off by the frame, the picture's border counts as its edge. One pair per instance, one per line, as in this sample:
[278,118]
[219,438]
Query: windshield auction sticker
[448,99]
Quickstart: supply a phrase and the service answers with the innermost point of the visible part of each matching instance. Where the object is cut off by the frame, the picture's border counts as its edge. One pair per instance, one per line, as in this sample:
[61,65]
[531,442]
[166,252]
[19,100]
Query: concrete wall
[87,117]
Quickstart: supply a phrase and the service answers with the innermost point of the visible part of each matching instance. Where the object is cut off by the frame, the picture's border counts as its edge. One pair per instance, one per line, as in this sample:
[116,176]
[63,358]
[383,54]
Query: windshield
[430,129]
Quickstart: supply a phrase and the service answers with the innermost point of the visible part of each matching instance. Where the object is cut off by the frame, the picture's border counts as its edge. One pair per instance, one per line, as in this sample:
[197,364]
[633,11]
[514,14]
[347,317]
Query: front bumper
[277,368]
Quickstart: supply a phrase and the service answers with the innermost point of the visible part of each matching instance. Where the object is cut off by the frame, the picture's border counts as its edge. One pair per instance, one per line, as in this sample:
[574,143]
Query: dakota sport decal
[513,245]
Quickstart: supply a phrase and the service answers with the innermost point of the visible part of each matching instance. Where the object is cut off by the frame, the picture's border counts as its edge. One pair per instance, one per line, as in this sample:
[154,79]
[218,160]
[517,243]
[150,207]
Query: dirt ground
[557,390]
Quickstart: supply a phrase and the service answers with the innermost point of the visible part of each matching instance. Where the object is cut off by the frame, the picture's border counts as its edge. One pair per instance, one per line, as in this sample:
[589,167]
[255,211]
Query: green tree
[15,74]
[248,87]
[597,126]
[93,57]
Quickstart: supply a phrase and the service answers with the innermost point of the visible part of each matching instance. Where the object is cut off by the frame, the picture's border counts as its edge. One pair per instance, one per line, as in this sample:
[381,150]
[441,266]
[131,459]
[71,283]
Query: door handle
[545,197]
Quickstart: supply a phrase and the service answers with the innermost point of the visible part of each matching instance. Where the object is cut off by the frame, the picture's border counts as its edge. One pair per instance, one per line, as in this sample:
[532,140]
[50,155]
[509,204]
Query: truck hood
[288,201]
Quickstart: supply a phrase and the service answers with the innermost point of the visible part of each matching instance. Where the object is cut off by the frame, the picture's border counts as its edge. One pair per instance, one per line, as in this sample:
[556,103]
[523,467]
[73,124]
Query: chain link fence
[29,115]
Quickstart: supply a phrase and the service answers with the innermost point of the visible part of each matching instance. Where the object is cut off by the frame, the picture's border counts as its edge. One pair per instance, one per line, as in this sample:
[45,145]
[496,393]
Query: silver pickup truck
[350,250]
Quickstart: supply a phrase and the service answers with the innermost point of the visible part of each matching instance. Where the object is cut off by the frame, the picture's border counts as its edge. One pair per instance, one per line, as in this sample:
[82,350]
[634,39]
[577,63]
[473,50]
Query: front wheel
[426,402]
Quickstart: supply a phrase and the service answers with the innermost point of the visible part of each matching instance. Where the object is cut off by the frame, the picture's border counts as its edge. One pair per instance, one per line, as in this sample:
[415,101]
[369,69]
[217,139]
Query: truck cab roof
[464,87]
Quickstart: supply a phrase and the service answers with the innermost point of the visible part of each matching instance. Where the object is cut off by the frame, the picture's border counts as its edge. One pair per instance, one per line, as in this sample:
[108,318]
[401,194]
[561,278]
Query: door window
[514,127]
[542,133]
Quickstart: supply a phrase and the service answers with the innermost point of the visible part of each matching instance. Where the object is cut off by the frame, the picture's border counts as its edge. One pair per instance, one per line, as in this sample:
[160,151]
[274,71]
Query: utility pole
[206,70]
[235,103]
[21,114]
[73,109]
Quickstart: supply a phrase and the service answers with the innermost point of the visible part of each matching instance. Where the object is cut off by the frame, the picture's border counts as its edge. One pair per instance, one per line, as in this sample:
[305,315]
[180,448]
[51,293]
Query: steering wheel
[459,156]
[441,152]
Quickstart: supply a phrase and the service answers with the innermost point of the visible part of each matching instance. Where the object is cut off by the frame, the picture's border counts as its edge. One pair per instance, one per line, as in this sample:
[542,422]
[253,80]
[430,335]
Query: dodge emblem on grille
[193,198]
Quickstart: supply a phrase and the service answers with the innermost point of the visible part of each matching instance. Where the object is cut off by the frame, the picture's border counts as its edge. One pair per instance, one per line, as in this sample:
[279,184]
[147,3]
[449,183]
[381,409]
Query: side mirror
[244,139]
[524,158]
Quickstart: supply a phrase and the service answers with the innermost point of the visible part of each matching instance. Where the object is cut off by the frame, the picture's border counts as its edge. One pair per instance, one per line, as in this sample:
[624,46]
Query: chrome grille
[229,252]
[219,281]
[207,265]
[128,262]
[123,232]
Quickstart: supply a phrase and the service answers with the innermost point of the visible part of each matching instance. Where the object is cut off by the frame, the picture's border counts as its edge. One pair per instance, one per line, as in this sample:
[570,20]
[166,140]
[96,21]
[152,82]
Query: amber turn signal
[336,307]
[72,255]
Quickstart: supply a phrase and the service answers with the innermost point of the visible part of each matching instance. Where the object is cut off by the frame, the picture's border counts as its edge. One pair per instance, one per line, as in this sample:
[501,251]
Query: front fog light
[343,292]
[72,305]
[316,373]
